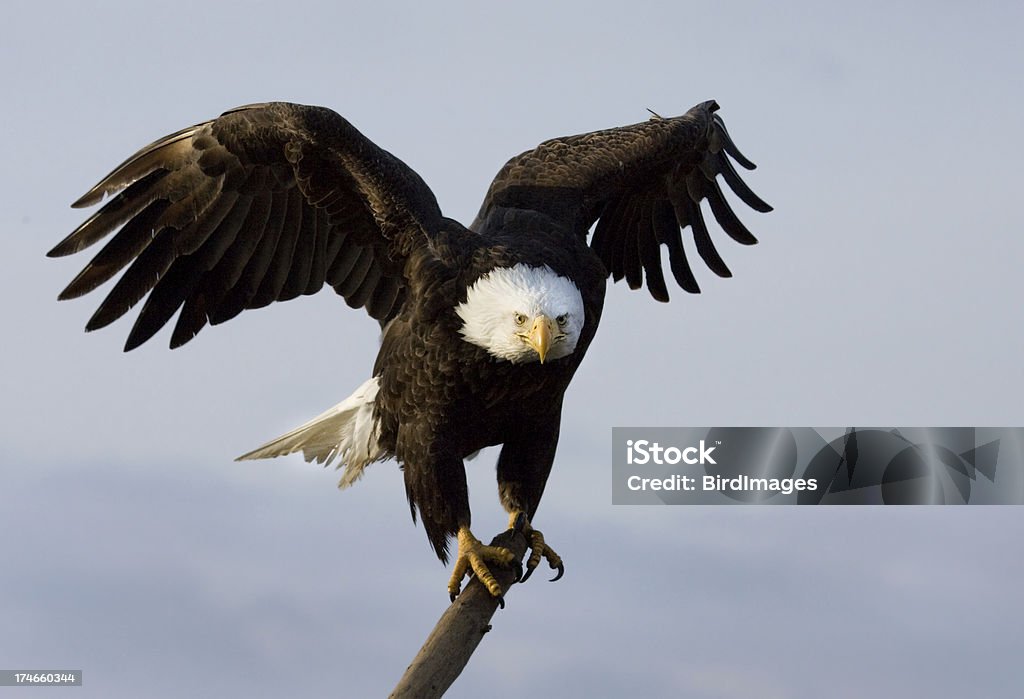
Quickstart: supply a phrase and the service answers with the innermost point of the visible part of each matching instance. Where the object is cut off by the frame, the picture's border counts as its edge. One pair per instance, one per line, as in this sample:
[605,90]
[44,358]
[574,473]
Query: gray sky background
[886,291]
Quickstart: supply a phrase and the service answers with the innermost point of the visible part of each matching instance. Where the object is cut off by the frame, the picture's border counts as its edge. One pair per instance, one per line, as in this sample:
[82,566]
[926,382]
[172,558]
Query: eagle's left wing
[642,184]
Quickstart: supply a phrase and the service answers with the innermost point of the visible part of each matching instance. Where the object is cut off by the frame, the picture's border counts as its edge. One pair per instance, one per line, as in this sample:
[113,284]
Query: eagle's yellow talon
[471,558]
[538,547]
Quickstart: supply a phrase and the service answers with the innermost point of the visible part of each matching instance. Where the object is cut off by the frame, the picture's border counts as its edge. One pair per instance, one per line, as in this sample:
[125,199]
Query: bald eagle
[482,327]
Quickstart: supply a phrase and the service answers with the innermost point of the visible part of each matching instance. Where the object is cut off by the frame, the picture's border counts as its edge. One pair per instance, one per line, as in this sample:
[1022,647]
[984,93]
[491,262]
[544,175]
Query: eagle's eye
[562,320]
[520,319]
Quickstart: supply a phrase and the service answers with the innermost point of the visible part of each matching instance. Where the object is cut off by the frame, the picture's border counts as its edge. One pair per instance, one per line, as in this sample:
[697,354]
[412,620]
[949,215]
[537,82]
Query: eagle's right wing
[641,184]
[263,204]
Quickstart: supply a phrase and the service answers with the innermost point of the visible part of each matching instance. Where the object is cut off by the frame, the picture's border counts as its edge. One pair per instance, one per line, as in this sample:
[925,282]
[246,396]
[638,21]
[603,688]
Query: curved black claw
[519,572]
[561,572]
[529,572]
[501,601]
[452,596]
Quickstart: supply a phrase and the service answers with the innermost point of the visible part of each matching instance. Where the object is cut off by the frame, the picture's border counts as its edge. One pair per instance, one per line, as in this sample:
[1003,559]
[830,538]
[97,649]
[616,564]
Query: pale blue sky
[886,291]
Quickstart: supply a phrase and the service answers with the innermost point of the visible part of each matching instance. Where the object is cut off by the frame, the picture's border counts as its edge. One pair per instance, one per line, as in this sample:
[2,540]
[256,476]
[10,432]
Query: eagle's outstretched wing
[262,204]
[642,184]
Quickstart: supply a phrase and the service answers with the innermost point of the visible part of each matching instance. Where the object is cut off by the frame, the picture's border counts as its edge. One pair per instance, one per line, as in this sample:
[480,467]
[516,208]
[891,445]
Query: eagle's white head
[523,314]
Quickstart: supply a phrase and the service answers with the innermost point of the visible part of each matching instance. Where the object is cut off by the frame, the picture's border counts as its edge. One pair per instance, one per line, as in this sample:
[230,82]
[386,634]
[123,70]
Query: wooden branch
[459,630]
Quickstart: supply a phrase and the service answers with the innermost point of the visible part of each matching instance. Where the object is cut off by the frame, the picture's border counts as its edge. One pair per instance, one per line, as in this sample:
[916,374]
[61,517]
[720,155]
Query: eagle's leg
[436,487]
[523,467]
[538,547]
[471,556]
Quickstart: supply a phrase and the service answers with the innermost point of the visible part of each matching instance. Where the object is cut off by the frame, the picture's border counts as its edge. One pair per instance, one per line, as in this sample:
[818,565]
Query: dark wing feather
[263,204]
[240,295]
[650,256]
[642,184]
[631,247]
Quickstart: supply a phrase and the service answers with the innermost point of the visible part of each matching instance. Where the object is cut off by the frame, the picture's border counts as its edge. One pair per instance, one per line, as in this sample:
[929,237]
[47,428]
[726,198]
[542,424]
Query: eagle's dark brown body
[442,399]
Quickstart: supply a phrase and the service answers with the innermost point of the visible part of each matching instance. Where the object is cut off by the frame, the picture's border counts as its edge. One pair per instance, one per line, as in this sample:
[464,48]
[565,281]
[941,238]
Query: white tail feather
[348,430]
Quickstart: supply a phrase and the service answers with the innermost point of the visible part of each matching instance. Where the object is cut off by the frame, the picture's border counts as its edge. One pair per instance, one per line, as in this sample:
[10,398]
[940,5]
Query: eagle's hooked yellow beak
[540,336]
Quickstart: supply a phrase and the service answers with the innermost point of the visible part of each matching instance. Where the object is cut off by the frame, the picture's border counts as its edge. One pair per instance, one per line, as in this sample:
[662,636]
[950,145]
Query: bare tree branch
[459,630]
